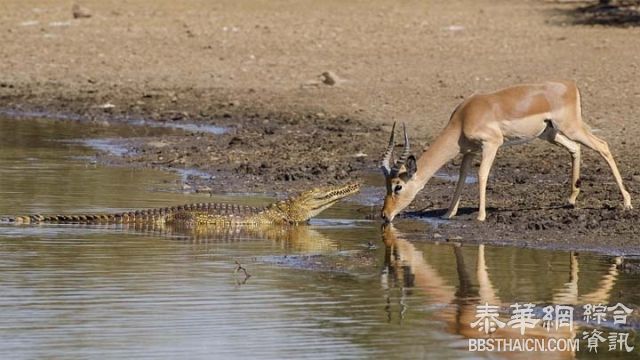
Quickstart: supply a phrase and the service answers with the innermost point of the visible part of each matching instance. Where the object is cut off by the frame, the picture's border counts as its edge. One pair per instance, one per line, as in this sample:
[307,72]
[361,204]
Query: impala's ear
[411,165]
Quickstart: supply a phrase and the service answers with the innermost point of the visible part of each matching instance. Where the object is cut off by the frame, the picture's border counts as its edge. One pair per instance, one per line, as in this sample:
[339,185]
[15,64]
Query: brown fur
[484,122]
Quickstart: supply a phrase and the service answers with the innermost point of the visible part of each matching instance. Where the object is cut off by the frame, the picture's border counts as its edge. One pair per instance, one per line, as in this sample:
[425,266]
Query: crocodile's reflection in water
[406,267]
[299,238]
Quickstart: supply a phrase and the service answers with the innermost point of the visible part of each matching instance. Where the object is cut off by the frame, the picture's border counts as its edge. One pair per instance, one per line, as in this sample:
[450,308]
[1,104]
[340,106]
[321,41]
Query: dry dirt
[256,67]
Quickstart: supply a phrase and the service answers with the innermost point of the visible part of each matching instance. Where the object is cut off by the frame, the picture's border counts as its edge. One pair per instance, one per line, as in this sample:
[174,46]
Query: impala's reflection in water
[406,267]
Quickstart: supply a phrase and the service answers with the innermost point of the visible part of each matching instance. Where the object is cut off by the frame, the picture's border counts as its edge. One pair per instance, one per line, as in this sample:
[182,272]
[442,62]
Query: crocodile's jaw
[310,203]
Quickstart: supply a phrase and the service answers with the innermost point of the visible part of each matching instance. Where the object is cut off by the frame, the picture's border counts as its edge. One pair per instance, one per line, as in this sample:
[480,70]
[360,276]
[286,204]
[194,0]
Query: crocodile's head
[308,204]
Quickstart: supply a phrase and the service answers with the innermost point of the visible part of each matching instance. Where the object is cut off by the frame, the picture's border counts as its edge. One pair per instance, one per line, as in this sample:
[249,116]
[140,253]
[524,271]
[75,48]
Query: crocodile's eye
[397,189]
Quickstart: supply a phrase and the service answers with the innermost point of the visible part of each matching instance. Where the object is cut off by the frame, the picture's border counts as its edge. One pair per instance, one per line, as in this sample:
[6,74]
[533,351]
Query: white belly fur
[523,130]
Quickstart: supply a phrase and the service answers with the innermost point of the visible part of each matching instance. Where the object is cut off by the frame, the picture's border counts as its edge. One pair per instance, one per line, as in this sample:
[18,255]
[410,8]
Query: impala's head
[399,178]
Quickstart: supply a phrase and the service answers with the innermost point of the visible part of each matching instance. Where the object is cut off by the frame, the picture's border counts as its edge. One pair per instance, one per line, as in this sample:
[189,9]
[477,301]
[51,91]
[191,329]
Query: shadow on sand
[619,13]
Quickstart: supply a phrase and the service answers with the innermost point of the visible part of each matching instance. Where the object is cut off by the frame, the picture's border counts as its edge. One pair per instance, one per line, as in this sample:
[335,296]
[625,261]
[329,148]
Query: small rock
[454,238]
[157,144]
[455,28]
[80,12]
[636,178]
[186,187]
[29,23]
[106,106]
[437,236]
[330,78]
[59,23]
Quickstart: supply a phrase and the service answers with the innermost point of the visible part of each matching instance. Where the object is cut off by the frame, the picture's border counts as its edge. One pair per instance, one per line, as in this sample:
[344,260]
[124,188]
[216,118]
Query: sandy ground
[256,67]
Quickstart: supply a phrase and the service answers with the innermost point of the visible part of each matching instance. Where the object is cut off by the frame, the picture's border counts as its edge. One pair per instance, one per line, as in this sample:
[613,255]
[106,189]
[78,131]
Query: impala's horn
[406,151]
[386,159]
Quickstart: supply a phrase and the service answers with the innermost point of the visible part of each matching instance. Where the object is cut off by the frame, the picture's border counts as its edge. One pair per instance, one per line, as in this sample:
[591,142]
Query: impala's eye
[397,189]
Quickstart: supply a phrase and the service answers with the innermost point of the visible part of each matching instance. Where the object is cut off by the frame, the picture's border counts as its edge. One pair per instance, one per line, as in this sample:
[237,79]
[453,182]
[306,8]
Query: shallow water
[339,288]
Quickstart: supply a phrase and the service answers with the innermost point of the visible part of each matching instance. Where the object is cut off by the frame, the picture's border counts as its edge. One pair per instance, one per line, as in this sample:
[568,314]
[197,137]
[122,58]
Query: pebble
[330,78]
[106,106]
[157,144]
[80,12]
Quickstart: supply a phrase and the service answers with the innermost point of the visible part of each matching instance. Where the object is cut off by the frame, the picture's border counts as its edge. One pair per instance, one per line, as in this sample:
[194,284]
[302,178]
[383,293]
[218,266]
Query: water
[194,128]
[339,288]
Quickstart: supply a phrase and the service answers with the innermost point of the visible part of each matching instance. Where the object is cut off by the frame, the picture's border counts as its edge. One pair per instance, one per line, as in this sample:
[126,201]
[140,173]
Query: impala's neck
[444,149]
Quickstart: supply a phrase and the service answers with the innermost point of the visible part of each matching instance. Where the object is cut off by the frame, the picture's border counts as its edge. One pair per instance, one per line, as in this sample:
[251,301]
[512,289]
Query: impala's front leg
[489,150]
[464,170]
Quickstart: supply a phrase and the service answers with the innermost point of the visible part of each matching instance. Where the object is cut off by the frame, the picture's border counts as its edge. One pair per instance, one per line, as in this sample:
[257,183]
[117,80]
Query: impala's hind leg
[553,136]
[574,149]
[586,138]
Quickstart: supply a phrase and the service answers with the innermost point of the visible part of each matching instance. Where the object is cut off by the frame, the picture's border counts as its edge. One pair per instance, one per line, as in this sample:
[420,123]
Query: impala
[480,125]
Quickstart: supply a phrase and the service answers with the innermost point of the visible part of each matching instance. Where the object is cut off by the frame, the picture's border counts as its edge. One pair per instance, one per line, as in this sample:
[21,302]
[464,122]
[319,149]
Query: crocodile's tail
[155,216]
[119,218]
[116,218]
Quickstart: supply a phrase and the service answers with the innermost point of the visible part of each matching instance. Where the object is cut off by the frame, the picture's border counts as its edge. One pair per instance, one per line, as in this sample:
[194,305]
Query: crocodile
[294,210]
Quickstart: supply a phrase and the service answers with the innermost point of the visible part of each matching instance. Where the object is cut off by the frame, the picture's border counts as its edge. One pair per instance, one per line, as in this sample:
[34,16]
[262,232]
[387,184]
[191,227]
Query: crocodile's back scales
[156,215]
